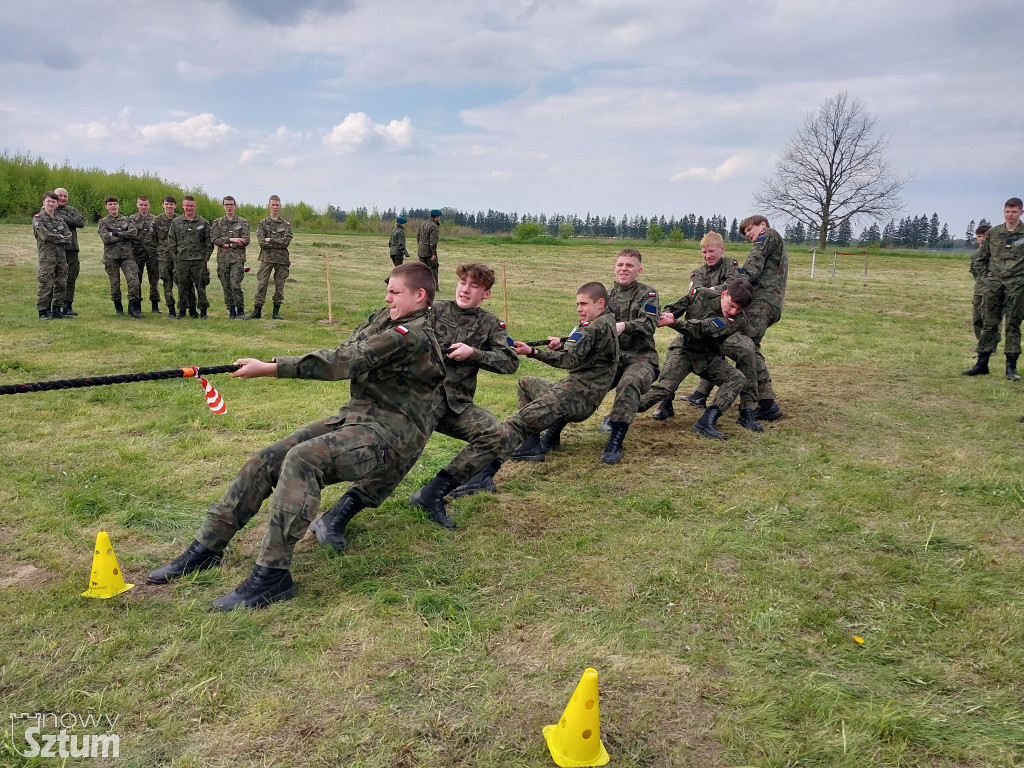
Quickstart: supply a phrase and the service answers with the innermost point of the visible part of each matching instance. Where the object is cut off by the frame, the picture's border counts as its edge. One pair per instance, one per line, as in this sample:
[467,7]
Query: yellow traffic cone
[107,579]
[576,739]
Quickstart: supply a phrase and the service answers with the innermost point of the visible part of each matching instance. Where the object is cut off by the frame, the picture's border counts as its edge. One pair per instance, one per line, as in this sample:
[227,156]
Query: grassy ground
[717,587]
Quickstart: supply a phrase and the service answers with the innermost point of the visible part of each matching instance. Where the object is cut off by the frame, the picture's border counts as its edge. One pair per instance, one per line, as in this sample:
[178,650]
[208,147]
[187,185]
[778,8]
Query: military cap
[401,219]
[436,212]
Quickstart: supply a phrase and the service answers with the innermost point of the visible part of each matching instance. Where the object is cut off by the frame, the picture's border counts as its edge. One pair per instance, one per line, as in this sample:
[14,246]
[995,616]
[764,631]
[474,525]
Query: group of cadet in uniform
[170,248]
[413,370]
[427,237]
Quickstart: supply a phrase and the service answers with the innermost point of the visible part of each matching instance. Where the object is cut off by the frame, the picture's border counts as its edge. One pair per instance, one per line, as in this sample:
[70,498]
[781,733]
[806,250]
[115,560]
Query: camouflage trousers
[230,274]
[150,264]
[679,363]
[397,259]
[53,279]
[740,349]
[191,277]
[631,382]
[167,277]
[295,470]
[1001,302]
[760,317]
[74,268]
[981,286]
[281,272]
[432,266]
[131,277]
[543,404]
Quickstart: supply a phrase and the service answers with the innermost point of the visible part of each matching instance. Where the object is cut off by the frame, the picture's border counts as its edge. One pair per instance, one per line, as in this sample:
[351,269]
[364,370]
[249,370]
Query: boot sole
[700,431]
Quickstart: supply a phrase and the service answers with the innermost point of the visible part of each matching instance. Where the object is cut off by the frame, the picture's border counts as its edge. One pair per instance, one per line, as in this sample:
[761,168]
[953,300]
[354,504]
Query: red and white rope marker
[213,398]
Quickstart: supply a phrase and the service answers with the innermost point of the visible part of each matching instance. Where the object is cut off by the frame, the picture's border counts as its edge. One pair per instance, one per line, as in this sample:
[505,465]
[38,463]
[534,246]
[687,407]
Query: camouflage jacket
[486,334]
[1001,255]
[591,353]
[396,244]
[702,322]
[53,235]
[118,236]
[426,240]
[161,227]
[221,233]
[146,225]
[189,240]
[395,373]
[75,222]
[717,276]
[279,233]
[638,307]
[767,267]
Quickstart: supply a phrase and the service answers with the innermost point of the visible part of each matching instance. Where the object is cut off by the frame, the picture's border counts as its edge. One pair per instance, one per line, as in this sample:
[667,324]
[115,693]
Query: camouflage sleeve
[103,229]
[577,348]
[351,359]
[497,355]
[73,217]
[45,233]
[983,256]
[679,306]
[710,327]
[406,255]
[218,233]
[130,233]
[769,242]
[246,234]
[267,231]
[172,240]
[975,269]
[646,321]
[435,235]
[207,242]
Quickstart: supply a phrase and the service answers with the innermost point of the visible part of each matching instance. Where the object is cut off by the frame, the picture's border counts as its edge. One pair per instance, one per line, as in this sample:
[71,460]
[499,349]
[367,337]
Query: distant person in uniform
[273,235]
[53,235]
[396,243]
[426,243]
[75,222]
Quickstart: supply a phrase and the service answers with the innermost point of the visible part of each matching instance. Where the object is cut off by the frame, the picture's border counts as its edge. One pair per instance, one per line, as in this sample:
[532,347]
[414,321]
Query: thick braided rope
[119,378]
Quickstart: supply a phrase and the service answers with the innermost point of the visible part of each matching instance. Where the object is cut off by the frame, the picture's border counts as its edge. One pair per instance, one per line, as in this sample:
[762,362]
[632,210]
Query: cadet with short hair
[636,310]
[273,234]
[980,286]
[395,375]
[474,339]
[1000,261]
[426,242]
[165,261]
[190,244]
[767,269]
[396,243]
[230,234]
[711,315]
[52,235]
[145,249]
[119,236]
[75,221]
[590,353]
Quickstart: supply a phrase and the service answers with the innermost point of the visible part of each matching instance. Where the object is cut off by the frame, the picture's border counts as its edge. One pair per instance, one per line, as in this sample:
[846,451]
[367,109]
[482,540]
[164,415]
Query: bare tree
[834,171]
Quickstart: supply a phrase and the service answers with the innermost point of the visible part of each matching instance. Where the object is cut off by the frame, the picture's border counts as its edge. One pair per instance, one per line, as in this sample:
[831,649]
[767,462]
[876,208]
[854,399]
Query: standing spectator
[145,249]
[190,245]
[980,285]
[52,236]
[426,243]
[119,236]
[273,235]
[231,236]
[75,221]
[396,245]
[161,226]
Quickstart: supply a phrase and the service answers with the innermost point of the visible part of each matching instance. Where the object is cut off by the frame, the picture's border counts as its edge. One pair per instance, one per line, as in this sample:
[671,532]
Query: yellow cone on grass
[576,739]
[107,579]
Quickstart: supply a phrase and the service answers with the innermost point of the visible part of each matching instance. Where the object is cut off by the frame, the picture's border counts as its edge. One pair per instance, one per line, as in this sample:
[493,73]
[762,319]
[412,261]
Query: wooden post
[835,258]
[327,264]
[865,263]
[504,294]
[814,252]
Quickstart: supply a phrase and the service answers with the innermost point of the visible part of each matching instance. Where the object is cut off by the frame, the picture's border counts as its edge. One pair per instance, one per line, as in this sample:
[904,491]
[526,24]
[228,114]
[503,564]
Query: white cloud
[358,129]
[740,164]
[196,132]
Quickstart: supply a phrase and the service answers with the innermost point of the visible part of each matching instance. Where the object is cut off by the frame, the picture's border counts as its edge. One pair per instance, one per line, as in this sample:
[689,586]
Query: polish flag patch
[652,295]
[501,323]
[401,329]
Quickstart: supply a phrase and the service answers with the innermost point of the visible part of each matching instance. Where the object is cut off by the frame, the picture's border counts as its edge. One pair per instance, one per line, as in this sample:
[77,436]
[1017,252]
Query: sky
[605,106]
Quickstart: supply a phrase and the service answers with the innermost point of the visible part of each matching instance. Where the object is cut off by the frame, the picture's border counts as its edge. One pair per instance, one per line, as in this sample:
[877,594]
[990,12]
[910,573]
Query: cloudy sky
[608,106]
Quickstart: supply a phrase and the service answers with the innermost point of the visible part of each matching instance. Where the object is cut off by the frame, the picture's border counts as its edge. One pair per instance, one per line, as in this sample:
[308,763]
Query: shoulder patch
[693,291]
[742,271]
[508,340]
[575,336]
[401,329]
[652,295]
[501,323]
[760,239]
[717,322]
[651,309]
[693,274]
[735,263]
[584,323]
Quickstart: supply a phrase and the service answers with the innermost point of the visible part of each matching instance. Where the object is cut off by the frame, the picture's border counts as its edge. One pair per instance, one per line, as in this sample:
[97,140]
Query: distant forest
[24,179]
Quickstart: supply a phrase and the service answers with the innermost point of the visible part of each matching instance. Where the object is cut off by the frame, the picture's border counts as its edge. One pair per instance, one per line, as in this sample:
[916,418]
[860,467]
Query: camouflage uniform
[118,236]
[273,258]
[396,246]
[767,268]
[190,245]
[636,305]
[53,235]
[395,376]
[426,246]
[699,349]
[738,347]
[230,257]
[1000,262]
[161,227]
[75,222]
[146,258]
[981,287]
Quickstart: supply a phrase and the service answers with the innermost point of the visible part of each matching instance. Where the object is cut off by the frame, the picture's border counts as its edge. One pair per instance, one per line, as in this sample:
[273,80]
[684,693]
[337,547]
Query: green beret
[401,219]
[436,212]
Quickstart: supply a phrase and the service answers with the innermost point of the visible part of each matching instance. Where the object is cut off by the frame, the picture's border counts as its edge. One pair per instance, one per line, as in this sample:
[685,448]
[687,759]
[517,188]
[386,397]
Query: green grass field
[716,587]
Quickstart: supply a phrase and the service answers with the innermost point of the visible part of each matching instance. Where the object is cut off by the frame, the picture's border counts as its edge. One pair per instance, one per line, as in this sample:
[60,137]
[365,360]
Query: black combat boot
[767,410]
[481,482]
[1011,367]
[135,309]
[240,313]
[263,587]
[57,312]
[68,311]
[551,437]
[118,306]
[170,309]
[231,312]
[44,314]
[706,424]
[980,367]
[156,307]
[665,409]
[697,399]
[203,315]
[277,312]
[193,560]
[606,424]
[193,314]
[747,420]
[329,528]
[530,449]
[430,498]
[612,453]
[257,312]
